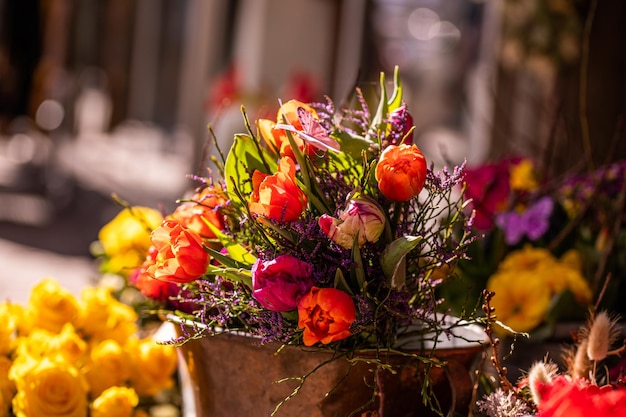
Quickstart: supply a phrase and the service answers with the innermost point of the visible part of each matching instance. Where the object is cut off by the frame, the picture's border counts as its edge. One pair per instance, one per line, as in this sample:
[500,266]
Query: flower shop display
[322,238]
[66,356]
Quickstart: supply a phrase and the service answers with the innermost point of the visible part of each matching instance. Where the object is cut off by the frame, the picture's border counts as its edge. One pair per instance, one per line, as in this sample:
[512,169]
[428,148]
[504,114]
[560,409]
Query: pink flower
[279,284]
[361,217]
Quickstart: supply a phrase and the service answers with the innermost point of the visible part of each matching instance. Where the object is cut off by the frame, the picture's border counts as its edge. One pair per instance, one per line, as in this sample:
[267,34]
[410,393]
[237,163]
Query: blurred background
[114,96]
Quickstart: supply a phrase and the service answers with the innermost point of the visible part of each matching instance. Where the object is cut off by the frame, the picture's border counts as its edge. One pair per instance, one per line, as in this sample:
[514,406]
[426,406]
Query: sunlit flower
[115,402]
[276,137]
[50,306]
[152,366]
[126,238]
[279,284]
[149,286]
[104,317]
[51,388]
[7,388]
[362,218]
[401,172]
[181,256]
[108,366]
[202,209]
[277,196]
[326,315]
[8,328]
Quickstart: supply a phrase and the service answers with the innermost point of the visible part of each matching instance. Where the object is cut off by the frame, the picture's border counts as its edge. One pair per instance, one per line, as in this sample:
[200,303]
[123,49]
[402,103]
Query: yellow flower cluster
[526,282]
[63,356]
[523,176]
[126,239]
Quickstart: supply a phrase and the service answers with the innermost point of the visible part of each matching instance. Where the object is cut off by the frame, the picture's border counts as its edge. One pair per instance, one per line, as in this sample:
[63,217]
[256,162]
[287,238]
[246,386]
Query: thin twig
[584,74]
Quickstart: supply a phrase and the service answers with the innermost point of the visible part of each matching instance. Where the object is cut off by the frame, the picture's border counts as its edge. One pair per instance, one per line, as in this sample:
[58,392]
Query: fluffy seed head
[540,373]
[602,334]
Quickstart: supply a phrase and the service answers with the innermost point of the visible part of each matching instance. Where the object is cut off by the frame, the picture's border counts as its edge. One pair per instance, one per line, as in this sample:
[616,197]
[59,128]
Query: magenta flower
[279,284]
[361,217]
[488,188]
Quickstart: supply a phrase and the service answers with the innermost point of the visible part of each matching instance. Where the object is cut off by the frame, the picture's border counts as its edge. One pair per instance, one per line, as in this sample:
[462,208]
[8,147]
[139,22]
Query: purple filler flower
[279,284]
[534,222]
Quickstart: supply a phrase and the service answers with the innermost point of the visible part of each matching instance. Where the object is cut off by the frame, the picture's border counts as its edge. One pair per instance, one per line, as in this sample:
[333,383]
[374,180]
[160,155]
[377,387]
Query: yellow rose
[153,366]
[42,343]
[7,388]
[51,388]
[125,240]
[50,306]
[115,402]
[104,317]
[7,328]
[522,299]
[108,367]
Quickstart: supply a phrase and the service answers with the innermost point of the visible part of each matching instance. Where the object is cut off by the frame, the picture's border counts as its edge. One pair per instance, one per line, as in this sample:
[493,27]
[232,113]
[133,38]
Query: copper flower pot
[234,376]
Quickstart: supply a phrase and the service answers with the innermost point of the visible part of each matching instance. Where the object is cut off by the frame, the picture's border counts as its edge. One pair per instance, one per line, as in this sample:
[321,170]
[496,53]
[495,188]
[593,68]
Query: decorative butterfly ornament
[312,132]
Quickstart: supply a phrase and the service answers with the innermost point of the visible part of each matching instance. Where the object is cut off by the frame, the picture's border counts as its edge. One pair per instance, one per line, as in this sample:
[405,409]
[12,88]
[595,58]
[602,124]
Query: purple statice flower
[532,223]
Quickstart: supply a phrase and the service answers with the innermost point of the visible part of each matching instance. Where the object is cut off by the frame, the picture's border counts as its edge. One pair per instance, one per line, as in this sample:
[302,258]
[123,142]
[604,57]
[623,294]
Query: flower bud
[401,119]
[401,172]
[361,217]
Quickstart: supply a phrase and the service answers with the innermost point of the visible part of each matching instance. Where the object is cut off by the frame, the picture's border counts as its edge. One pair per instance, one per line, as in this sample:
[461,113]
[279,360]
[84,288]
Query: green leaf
[358,270]
[243,276]
[341,283]
[244,158]
[392,259]
[237,252]
[396,98]
[381,112]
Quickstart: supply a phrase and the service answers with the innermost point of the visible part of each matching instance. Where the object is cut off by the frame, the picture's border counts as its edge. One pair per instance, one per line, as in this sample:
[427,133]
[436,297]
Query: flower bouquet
[324,230]
[66,356]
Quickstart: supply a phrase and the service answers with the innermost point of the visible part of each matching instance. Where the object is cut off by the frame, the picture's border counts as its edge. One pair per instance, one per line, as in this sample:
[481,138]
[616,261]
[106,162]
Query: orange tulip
[326,315]
[180,255]
[401,172]
[203,208]
[276,137]
[278,196]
